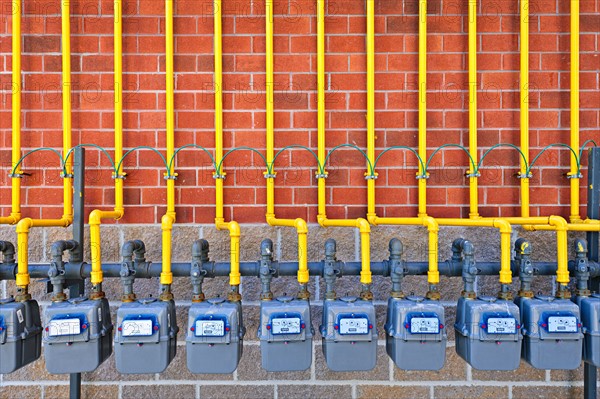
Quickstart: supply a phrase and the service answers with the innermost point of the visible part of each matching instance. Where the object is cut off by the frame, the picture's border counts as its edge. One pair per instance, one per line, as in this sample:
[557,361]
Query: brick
[304,391]
[20,392]
[534,392]
[232,391]
[471,391]
[153,391]
[391,392]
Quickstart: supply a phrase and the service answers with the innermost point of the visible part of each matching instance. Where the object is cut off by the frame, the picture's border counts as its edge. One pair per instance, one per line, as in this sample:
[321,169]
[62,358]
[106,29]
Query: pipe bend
[24,225]
[95,217]
[431,224]
[59,247]
[503,225]
[129,247]
[559,222]
[372,218]
[363,225]
[7,249]
[301,226]
[234,229]
[167,222]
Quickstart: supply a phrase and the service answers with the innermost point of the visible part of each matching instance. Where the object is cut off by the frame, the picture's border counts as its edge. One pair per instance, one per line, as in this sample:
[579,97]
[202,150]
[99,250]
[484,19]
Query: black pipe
[59,247]
[8,252]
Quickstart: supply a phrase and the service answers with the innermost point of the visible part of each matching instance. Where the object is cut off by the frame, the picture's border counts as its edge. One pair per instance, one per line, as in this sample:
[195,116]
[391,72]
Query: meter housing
[214,339]
[349,334]
[20,334]
[415,333]
[488,335]
[590,318]
[146,336]
[552,335]
[77,335]
[285,334]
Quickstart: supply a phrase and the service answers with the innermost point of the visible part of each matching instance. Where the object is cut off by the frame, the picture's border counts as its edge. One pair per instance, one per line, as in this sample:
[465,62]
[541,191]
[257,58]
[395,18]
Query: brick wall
[295,122]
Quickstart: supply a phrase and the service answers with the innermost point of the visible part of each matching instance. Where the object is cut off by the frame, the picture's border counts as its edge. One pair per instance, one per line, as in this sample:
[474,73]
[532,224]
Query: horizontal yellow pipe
[505,232]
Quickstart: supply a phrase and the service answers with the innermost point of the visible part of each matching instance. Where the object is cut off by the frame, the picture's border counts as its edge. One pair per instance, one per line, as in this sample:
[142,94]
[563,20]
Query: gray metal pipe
[8,252]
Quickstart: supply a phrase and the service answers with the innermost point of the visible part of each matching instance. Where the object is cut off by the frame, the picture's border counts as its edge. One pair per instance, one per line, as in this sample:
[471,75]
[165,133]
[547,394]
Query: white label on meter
[424,325]
[562,324]
[60,327]
[137,328]
[287,325]
[354,326]
[210,328]
[501,325]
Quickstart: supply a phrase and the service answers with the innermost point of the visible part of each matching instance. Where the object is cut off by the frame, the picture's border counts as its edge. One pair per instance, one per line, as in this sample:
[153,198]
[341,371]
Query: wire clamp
[577,175]
[218,176]
[116,176]
[16,175]
[171,176]
[268,175]
[423,177]
[373,176]
[474,174]
[323,175]
[67,175]
[528,175]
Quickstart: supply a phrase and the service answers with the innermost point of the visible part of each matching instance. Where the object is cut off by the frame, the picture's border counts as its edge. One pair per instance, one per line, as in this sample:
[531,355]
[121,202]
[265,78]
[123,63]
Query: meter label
[210,328]
[287,325]
[60,327]
[501,325]
[137,328]
[354,326]
[424,325]
[562,324]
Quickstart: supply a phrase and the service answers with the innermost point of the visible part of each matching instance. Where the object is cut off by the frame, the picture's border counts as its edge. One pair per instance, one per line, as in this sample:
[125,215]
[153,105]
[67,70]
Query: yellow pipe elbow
[365,244]
[505,248]
[562,271]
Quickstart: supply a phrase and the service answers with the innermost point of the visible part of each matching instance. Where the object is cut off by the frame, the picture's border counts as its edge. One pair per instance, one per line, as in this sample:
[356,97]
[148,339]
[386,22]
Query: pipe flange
[198,298]
[526,294]
[23,297]
[322,175]
[577,175]
[398,295]
[505,295]
[433,295]
[585,292]
[61,297]
[97,295]
[166,296]
[468,294]
[234,297]
[524,175]
[563,294]
[128,298]
[67,175]
[219,176]
[266,296]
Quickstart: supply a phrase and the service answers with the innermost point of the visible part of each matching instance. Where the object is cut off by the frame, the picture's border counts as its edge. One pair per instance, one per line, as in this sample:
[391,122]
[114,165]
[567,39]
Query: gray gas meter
[77,335]
[146,336]
[285,334]
[488,333]
[590,318]
[552,333]
[415,333]
[349,334]
[20,334]
[215,336]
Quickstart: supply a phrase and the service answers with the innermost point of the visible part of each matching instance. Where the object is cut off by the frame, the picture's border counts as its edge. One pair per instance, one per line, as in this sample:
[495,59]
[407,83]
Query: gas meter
[20,334]
[285,334]
[552,333]
[349,334]
[77,335]
[415,333]
[488,333]
[146,337]
[215,336]
[590,318]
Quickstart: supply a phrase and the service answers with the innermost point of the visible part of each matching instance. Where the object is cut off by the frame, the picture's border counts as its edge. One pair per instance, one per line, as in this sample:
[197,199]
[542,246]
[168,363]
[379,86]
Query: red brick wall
[295,104]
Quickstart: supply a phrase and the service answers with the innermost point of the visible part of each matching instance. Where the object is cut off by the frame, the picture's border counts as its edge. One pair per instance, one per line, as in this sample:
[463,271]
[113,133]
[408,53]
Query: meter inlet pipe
[25,225]
[96,216]
[433,276]
[299,224]
[360,223]
[233,227]
[168,219]
[15,214]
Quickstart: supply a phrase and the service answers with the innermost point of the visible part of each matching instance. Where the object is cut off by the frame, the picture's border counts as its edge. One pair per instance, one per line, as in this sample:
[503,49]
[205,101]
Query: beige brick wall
[455,380]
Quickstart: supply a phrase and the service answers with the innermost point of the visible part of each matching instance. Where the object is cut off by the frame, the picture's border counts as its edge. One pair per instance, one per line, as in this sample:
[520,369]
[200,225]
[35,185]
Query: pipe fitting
[397,267]
[562,271]
[523,251]
[8,252]
[469,271]
[266,270]
[200,250]
[582,268]
[329,271]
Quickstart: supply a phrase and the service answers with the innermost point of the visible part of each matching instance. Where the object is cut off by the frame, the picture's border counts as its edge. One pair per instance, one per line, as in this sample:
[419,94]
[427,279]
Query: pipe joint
[8,252]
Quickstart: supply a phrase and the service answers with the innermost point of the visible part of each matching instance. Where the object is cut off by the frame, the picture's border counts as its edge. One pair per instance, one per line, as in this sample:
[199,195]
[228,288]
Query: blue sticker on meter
[68,324]
[353,324]
[139,326]
[210,326]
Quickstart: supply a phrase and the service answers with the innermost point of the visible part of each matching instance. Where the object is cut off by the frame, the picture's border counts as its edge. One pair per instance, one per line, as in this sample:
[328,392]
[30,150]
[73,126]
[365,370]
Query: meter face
[501,325]
[61,327]
[354,326]
[424,325]
[562,324]
[210,328]
[137,328]
[286,325]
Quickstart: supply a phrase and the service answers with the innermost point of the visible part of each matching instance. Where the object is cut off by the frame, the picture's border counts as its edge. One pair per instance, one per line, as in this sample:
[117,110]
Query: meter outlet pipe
[15,214]
[433,276]
[25,225]
[233,227]
[360,223]
[96,216]
[169,218]
[299,224]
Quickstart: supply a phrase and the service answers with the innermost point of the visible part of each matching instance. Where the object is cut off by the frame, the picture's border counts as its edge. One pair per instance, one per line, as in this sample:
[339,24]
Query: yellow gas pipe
[524,114]
[473,175]
[233,227]
[168,219]
[24,225]
[433,276]
[360,223]
[574,174]
[15,214]
[96,216]
[299,224]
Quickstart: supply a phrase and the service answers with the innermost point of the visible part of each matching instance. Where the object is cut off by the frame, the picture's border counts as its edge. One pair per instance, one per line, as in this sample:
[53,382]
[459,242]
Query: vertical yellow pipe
[574,174]
[473,184]
[371,105]
[524,81]
[233,227]
[422,105]
[167,221]
[66,77]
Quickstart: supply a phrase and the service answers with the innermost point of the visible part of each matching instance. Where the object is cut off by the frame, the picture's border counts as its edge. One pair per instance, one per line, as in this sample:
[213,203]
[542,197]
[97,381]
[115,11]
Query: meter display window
[62,327]
[501,325]
[355,325]
[137,328]
[424,325]
[209,328]
[286,325]
[562,324]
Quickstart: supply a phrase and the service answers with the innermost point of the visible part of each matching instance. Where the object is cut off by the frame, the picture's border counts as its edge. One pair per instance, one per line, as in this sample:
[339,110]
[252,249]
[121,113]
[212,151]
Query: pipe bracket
[67,175]
[577,175]
[471,175]
[170,177]
[528,175]
[120,177]
[322,175]
[219,176]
